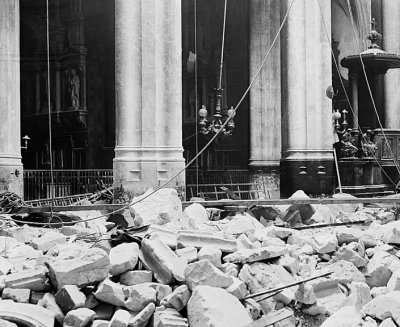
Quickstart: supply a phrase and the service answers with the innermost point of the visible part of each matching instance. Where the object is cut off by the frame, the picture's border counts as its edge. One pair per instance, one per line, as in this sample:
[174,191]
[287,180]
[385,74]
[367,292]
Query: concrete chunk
[211,253]
[324,243]
[100,323]
[123,257]
[120,318]
[178,299]
[344,317]
[164,263]
[21,295]
[139,296]
[86,269]
[48,301]
[34,279]
[189,254]
[48,240]
[168,317]
[203,272]
[384,306]
[141,319]
[215,307]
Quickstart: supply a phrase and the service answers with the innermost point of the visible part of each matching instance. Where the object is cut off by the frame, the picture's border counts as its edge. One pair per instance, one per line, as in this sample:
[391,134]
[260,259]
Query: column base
[135,178]
[12,179]
[266,180]
[313,176]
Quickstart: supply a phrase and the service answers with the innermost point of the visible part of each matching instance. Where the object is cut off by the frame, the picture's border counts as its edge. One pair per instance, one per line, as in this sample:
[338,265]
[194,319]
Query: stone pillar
[265,95]
[354,99]
[11,177]
[307,138]
[148,87]
[391,43]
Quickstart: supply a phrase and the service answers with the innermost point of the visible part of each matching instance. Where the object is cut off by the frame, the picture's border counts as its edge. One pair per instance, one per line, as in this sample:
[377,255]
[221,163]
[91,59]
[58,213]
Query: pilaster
[11,177]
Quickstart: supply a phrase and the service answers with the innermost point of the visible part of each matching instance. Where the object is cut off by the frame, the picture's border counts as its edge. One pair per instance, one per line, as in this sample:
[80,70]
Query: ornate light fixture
[26,138]
[336,115]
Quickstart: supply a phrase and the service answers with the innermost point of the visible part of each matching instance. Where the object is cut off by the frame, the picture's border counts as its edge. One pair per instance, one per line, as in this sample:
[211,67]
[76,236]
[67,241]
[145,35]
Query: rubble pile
[189,269]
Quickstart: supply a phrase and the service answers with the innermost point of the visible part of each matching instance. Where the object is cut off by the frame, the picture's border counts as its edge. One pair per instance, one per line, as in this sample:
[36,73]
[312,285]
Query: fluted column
[10,147]
[307,157]
[265,95]
[391,43]
[148,95]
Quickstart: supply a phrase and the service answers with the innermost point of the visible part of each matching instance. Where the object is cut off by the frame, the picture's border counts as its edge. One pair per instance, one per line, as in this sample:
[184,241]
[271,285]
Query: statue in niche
[348,149]
[74,84]
[368,148]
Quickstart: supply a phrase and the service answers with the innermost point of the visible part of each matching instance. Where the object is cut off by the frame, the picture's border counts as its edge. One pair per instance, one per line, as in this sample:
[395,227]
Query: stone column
[307,136]
[11,177]
[265,95]
[391,43]
[148,95]
[354,99]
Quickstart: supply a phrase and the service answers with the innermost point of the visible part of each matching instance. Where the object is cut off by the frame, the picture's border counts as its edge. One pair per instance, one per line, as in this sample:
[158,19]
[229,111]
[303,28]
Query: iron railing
[37,183]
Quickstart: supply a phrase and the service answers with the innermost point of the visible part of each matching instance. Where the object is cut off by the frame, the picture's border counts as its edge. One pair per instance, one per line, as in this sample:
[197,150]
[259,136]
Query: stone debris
[193,268]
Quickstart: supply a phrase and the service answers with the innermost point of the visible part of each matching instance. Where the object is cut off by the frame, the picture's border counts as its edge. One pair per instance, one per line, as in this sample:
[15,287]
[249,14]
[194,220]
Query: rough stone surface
[120,318]
[139,296]
[348,254]
[211,253]
[345,271]
[178,299]
[378,270]
[264,253]
[203,272]
[21,295]
[69,297]
[123,257]
[324,243]
[384,306]
[79,317]
[49,302]
[141,319]
[88,268]
[48,240]
[201,239]
[188,253]
[110,292]
[215,307]
[34,279]
[345,317]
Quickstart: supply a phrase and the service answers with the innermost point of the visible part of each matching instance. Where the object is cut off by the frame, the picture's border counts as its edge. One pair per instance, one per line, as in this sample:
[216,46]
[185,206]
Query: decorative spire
[374,36]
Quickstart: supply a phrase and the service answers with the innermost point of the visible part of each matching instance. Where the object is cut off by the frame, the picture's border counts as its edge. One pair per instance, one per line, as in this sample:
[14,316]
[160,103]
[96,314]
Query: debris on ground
[165,266]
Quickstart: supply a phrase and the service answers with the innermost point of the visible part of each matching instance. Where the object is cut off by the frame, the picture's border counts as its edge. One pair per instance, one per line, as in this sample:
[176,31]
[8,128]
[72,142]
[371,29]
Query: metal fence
[37,183]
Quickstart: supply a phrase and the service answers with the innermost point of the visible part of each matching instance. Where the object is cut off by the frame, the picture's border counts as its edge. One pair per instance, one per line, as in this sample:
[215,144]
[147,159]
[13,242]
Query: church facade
[122,81]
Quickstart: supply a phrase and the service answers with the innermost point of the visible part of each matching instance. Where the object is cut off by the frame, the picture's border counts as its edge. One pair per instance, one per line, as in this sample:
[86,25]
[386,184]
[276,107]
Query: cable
[49,108]
[201,151]
[196,95]
[346,94]
[221,65]
[369,87]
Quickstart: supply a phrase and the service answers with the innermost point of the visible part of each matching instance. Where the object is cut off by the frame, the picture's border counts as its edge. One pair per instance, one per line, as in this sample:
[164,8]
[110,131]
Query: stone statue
[75,84]
[348,149]
[368,148]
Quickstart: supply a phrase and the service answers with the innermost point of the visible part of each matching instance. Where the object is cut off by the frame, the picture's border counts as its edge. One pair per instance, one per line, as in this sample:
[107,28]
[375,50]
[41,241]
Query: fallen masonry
[304,265]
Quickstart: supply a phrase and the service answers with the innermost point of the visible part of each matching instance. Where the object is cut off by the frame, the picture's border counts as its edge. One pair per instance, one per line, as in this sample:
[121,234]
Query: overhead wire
[345,92]
[387,144]
[196,95]
[198,154]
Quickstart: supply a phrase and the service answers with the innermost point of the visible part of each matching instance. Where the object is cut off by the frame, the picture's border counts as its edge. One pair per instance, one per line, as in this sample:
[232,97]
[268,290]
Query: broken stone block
[158,208]
[178,299]
[164,263]
[201,239]
[384,306]
[343,207]
[136,277]
[203,272]
[104,311]
[289,263]
[238,289]
[189,254]
[79,318]
[305,294]
[168,317]
[20,295]
[264,253]
[347,253]
[378,270]
[272,241]
[344,317]
[33,279]
[88,268]
[110,292]
[324,243]
[345,272]
[253,308]
[7,245]
[49,302]
[211,306]
[123,257]
[375,291]
[139,296]
[120,318]
[211,253]
[388,322]
[26,314]
[5,266]
[91,301]
[48,240]
[230,269]
[359,295]
[100,323]
[394,281]
[260,276]
[195,214]
[242,223]
[244,243]
[36,297]
[161,289]
[69,297]
[141,319]
[347,234]
[298,238]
